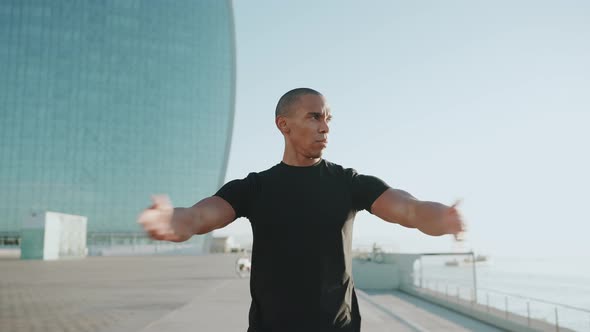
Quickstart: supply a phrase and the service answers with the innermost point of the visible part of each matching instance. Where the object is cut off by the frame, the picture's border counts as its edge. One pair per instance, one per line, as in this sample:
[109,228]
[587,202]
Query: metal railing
[518,308]
[463,288]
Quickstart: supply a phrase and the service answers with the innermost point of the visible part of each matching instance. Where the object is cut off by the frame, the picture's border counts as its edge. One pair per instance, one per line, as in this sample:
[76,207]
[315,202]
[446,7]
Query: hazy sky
[484,101]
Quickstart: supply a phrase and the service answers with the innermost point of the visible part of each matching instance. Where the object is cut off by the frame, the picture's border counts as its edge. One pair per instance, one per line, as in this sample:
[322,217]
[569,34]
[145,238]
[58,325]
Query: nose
[324,127]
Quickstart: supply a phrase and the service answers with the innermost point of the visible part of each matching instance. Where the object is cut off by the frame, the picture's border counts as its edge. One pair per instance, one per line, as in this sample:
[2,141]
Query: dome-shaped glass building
[103,103]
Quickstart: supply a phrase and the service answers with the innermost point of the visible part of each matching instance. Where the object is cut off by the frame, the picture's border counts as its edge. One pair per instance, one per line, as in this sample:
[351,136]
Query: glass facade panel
[103,103]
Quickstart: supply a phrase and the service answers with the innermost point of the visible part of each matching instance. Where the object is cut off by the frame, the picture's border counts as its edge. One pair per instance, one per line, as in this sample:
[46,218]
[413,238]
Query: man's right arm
[164,222]
[207,215]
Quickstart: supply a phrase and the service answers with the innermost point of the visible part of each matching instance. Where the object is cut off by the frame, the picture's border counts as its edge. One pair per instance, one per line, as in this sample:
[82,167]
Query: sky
[487,102]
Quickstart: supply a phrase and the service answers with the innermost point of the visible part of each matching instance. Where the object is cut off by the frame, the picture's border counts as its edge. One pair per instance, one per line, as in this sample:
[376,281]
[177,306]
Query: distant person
[301,211]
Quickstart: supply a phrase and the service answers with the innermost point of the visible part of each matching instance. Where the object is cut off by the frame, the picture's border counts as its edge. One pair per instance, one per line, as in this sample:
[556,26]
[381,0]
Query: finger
[171,237]
[161,200]
[159,233]
[148,217]
[157,229]
[154,235]
[457,225]
[153,219]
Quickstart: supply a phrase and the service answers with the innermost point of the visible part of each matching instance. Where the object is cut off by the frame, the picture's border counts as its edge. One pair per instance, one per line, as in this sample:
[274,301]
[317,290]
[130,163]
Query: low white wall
[371,275]
[51,235]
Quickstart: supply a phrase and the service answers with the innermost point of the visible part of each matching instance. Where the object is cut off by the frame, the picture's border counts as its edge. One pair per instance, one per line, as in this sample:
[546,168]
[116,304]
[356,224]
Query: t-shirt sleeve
[239,194]
[365,190]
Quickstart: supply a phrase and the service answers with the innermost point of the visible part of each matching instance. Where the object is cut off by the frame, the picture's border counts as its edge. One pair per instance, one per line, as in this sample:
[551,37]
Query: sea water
[549,288]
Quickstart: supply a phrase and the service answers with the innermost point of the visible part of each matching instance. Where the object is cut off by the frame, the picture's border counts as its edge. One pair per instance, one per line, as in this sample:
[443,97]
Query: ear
[282,124]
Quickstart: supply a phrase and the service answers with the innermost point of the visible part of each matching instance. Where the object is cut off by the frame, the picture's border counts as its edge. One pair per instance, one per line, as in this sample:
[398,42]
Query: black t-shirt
[301,218]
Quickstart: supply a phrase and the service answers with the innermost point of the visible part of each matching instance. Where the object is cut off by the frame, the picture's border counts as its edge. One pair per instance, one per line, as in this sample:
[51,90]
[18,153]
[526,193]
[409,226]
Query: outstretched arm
[432,218]
[164,222]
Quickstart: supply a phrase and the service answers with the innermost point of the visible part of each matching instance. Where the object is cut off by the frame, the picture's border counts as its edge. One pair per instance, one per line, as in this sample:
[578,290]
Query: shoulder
[270,172]
[337,169]
[254,178]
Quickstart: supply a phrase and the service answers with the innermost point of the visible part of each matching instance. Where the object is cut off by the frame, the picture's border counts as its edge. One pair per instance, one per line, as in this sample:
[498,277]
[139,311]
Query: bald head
[291,98]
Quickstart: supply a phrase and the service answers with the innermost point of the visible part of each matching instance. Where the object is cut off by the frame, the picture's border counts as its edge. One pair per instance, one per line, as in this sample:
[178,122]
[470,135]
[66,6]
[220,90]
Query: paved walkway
[174,294]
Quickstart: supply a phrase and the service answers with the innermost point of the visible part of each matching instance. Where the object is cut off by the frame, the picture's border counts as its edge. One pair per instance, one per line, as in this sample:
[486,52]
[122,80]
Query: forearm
[398,206]
[186,221]
[206,216]
[428,217]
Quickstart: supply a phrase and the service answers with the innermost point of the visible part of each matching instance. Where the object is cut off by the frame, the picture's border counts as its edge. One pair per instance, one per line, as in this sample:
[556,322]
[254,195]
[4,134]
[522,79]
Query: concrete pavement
[171,293]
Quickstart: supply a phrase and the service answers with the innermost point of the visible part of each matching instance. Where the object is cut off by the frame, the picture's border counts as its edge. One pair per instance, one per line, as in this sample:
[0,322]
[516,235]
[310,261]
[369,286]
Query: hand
[157,221]
[454,222]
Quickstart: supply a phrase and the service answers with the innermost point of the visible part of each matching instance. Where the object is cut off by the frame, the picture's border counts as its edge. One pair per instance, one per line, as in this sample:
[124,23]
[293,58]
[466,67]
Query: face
[307,126]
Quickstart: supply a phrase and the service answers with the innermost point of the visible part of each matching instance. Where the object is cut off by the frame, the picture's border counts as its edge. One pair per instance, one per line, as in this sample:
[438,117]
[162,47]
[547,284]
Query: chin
[316,155]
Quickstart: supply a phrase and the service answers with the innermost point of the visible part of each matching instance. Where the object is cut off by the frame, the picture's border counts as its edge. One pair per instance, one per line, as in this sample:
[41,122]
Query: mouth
[323,142]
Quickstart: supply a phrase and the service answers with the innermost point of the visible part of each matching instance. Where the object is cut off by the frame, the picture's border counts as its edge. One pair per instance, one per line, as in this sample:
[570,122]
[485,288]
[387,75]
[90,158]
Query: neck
[294,159]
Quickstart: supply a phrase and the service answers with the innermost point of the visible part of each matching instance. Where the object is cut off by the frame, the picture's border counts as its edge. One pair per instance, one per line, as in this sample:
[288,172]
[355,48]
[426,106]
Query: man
[301,212]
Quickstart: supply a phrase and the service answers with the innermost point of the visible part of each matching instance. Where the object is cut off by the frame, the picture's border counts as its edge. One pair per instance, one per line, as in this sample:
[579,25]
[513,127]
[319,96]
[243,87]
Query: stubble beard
[316,154]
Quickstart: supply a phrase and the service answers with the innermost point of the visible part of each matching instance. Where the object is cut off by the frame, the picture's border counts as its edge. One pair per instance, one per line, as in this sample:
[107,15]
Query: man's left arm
[432,218]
